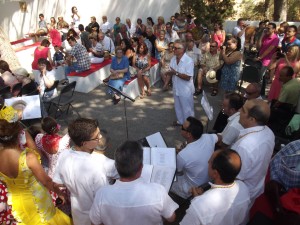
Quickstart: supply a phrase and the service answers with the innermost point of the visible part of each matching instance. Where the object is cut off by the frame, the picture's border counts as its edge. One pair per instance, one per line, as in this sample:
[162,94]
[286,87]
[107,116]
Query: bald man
[255,145]
[252,91]
[228,199]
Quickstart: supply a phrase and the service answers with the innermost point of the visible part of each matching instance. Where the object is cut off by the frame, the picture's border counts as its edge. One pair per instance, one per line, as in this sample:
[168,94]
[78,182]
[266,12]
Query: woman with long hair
[291,58]
[218,34]
[27,183]
[232,57]
[142,63]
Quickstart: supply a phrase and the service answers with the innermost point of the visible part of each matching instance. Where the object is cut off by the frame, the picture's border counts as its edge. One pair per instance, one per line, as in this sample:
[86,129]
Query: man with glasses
[79,170]
[192,168]
[210,61]
[182,72]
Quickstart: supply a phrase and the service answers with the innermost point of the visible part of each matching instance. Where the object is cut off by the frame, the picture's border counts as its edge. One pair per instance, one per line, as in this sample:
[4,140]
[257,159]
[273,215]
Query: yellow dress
[31,202]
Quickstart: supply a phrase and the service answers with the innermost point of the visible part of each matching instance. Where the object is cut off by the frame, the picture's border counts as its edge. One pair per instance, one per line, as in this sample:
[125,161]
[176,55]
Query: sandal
[148,93]
[214,92]
[142,95]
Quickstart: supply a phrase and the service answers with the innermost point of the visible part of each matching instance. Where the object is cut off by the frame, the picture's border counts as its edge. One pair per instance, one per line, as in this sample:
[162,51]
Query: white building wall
[16,24]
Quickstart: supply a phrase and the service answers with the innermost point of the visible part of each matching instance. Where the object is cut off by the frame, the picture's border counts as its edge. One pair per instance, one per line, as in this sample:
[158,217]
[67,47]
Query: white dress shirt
[171,37]
[135,202]
[185,66]
[108,44]
[255,146]
[232,130]
[83,176]
[219,205]
[193,162]
[105,27]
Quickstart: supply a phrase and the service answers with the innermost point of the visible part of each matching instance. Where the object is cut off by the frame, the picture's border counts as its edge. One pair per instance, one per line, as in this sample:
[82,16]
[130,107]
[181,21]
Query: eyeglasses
[213,46]
[96,138]
[175,48]
[184,129]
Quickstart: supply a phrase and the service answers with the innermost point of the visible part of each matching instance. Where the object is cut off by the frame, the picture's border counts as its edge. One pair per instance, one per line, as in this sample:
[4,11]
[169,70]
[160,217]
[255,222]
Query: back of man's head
[195,127]
[259,110]
[236,101]
[81,27]
[129,159]
[228,164]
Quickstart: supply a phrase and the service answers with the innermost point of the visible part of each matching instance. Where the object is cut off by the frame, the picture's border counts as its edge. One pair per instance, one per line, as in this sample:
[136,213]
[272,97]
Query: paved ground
[144,116]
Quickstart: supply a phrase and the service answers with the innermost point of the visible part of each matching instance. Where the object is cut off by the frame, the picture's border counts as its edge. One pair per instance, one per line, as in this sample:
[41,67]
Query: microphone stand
[125,111]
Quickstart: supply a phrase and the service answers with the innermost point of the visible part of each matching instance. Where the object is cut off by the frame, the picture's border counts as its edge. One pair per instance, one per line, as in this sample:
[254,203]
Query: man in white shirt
[105,27]
[171,35]
[255,145]
[130,27]
[107,43]
[192,168]
[231,105]
[131,200]
[227,201]
[239,31]
[78,170]
[195,53]
[182,72]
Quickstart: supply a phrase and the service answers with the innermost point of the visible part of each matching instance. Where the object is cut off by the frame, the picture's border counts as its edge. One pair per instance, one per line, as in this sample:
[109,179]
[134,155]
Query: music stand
[125,111]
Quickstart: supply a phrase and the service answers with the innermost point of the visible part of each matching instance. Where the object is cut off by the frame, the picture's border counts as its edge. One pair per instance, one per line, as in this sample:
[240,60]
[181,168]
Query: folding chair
[5,92]
[54,86]
[250,74]
[64,99]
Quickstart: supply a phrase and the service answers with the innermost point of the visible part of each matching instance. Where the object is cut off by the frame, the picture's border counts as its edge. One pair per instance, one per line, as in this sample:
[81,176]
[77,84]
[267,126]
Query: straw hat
[211,77]
[21,72]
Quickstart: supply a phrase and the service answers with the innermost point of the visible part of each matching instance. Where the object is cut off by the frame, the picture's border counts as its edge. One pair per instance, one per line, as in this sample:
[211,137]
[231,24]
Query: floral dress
[142,63]
[31,202]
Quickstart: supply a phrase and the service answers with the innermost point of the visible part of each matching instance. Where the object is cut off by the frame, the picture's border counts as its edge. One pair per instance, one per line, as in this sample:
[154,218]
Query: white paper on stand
[162,168]
[208,109]
[156,140]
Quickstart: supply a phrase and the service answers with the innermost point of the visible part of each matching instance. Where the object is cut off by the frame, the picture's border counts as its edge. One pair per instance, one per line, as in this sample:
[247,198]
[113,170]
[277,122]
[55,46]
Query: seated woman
[140,27]
[27,183]
[291,58]
[161,44]
[46,80]
[28,85]
[42,51]
[128,50]
[96,52]
[7,75]
[65,46]
[232,57]
[165,65]
[159,26]
[123,34]
[119,73]
[142,63]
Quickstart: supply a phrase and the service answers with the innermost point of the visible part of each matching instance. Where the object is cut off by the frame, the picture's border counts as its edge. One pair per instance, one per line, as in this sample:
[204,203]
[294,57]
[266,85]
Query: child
[58,57]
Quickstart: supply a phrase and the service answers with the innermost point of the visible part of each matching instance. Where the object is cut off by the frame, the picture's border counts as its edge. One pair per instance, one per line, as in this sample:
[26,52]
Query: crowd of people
[76,183]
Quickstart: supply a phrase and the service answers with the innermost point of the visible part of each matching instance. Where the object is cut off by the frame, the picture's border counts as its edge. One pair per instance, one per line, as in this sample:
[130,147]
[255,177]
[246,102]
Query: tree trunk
[280,10]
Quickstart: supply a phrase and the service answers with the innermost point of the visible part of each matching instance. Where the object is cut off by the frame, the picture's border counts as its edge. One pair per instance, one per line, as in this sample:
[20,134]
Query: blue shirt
[285,45]
[120,66]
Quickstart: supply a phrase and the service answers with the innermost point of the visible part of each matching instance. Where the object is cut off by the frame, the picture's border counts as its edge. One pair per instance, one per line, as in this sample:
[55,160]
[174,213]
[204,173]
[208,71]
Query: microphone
[120,92]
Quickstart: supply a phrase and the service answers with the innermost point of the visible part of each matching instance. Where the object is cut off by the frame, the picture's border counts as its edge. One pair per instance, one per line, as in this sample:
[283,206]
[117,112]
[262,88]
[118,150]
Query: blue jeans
[72,68]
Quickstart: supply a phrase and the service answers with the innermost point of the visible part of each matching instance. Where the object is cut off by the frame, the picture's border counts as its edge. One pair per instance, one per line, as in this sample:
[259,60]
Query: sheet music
[163,157]
[146,155]
[29,105]
[156,140]
[147,172]
[163,175]
[208,109]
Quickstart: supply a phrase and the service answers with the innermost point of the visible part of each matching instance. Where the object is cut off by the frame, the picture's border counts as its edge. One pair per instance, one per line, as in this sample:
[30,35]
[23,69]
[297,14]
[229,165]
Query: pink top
[218,38]
[276,84]
[266,42]
[43,53]
[55,37]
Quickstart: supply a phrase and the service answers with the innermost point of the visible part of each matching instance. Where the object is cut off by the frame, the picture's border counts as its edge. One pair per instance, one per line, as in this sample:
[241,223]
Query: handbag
[117,76]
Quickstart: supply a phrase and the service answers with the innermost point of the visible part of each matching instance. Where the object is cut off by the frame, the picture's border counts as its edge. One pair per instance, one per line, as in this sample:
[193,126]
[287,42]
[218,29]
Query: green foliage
[208,11]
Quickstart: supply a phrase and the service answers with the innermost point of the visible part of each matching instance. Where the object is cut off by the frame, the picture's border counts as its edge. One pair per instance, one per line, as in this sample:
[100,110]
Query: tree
[208,11]
[280,10]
